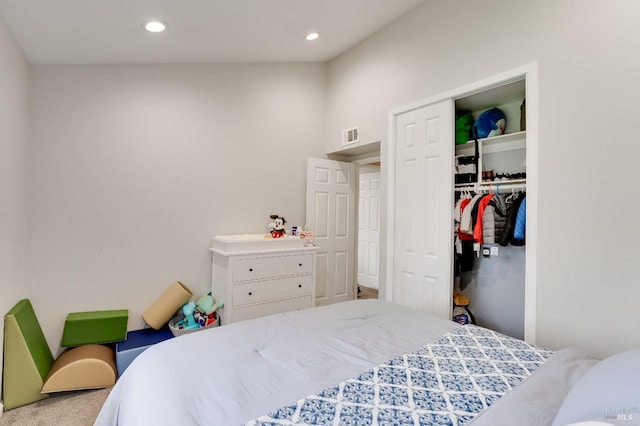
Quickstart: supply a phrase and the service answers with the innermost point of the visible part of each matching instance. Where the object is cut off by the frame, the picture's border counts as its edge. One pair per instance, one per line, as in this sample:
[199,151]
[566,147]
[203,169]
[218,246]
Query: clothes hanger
[510,197]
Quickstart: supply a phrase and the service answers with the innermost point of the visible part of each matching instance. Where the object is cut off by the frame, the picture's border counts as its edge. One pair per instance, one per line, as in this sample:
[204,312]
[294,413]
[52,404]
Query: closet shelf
[501,143]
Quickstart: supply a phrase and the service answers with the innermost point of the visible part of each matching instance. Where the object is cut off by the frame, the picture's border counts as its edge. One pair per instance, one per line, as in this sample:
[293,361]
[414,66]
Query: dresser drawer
[260,310]
[263,291]
[256,268]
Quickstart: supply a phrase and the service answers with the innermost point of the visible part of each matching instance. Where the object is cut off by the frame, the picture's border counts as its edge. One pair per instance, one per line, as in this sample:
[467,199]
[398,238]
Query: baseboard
[1,408]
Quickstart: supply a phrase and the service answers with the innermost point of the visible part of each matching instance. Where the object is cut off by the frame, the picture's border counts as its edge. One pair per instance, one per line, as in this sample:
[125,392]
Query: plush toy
[208,304]
[188,309]
[492,122]
[198,314]
[464,124]
[277,226]
[461,313]
[205,309]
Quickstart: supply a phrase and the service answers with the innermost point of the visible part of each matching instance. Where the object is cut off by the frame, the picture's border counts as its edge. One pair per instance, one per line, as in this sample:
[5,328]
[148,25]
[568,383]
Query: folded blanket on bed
[447,382]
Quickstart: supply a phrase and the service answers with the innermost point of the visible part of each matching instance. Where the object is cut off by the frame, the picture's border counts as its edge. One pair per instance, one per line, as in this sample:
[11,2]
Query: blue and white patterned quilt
[447,382]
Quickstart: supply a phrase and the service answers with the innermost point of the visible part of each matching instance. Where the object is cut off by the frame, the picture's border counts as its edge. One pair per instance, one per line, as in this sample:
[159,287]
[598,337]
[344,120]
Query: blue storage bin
[137,341]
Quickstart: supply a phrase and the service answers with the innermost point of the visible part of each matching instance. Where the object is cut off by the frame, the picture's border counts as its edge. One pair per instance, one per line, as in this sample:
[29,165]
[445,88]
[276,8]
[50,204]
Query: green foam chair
[30,372]
[27,357]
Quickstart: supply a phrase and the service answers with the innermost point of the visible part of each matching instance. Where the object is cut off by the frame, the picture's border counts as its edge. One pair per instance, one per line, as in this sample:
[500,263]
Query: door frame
[530,73]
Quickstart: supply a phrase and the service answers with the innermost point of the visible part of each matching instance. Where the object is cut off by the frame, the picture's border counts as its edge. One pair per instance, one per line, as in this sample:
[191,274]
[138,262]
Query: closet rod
[492,187]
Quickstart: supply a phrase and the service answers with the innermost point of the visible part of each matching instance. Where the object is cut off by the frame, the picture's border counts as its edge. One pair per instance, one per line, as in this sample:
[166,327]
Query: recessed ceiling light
[155,26]
[312,36]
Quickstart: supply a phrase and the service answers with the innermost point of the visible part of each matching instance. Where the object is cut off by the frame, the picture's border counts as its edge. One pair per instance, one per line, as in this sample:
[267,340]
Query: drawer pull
[299,285]
[299,264]
[250,269]
[250,293]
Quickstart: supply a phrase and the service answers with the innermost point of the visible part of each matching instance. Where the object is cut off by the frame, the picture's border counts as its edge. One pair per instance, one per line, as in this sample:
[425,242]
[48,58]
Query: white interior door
[422,224]
[331,195]
[368,227]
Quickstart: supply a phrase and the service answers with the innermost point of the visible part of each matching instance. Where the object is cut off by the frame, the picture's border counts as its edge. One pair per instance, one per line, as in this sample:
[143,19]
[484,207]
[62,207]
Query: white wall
[14,95]
[134,168]
[588,136]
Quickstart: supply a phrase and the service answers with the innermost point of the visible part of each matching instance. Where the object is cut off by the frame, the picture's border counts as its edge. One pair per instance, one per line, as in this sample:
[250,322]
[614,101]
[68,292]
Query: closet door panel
[416,292]
[407,198]
[431,193]
[422,245]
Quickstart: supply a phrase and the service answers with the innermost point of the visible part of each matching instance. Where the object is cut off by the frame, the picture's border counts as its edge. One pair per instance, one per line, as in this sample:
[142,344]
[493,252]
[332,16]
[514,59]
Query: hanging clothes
[467,257]
[486,219]
[460,236]
[464,253]
[512,212]
[520,225]
[478,228]
[466,220]
[494,219]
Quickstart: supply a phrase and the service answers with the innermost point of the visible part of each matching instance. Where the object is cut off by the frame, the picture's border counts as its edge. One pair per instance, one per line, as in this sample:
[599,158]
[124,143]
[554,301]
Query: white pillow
[609,391]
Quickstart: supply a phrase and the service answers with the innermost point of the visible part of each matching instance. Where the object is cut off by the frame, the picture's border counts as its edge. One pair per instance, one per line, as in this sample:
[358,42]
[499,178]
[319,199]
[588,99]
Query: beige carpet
[77,408]
[367,293]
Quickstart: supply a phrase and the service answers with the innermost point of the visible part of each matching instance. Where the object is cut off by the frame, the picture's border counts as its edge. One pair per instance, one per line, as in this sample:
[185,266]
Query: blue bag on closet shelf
[492,122]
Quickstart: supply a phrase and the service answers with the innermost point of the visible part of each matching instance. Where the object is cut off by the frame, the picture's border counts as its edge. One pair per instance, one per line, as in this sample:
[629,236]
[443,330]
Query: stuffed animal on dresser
[277,226]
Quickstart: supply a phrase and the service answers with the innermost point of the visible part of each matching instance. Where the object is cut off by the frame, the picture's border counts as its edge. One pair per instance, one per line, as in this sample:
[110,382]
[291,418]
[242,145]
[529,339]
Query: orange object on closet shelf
[487,175]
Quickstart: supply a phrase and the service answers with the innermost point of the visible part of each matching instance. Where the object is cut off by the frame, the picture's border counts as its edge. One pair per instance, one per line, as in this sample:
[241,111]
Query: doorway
[368,261]
[353,263]
[368,227]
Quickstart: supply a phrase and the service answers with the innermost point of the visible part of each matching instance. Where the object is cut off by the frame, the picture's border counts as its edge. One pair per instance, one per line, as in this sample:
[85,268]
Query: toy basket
[179,332]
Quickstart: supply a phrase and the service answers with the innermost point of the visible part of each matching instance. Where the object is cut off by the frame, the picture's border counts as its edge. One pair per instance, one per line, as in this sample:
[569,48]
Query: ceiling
[199,31]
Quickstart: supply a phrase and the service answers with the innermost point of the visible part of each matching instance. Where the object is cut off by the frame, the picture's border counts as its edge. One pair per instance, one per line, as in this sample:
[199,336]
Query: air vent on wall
[350,136]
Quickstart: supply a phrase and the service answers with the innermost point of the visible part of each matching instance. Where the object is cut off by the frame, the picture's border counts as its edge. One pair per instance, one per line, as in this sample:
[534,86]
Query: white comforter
[234,373]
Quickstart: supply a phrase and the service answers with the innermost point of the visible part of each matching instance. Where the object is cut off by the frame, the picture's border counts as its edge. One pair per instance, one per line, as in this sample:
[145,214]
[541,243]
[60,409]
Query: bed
[358,362]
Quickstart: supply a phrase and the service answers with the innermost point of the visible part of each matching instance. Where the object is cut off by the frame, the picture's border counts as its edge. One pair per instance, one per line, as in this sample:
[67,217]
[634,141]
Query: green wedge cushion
[27,357]
[84,328]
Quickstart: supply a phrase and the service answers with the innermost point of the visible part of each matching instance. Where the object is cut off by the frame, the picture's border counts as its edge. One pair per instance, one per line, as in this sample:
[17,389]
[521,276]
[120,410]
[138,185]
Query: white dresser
[257,276]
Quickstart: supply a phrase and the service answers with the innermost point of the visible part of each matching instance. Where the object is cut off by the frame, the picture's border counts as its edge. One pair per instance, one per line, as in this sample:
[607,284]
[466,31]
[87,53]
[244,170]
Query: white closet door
[369,229]
[422,233]
[331,195]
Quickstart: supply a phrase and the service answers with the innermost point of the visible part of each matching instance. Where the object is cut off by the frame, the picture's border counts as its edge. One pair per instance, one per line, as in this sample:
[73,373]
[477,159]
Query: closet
[423,185]
[490,186]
